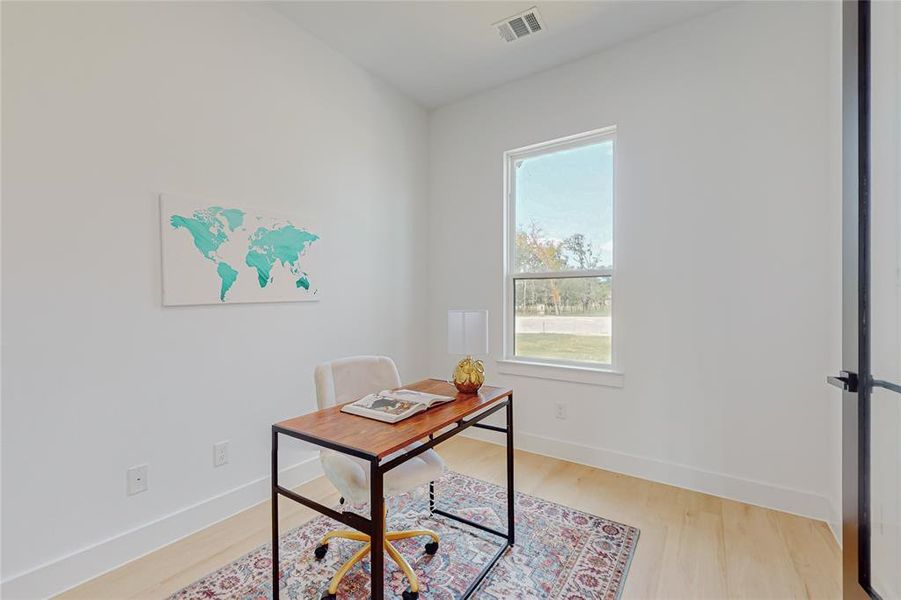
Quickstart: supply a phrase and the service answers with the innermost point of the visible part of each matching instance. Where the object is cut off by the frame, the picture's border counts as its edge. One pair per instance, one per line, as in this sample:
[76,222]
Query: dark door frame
[856,296]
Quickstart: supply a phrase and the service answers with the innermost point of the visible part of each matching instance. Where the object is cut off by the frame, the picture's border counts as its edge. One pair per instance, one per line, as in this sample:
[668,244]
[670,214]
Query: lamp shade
[467,332]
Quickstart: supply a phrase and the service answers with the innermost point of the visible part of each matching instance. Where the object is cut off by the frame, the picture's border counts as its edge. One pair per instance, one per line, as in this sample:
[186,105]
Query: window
[560,251]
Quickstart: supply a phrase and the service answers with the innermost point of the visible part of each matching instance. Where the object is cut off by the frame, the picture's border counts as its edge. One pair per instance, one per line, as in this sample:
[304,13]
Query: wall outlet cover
[560,410]
[220,453]
[136,478]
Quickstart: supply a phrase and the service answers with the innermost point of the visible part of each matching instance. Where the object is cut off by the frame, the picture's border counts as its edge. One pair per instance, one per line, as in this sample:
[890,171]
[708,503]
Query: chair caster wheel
[431,548]
[329,597]
[408,595]
[320,554]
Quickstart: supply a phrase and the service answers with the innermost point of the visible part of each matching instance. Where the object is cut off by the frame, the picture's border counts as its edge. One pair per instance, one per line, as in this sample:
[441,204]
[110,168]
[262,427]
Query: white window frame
[568,370]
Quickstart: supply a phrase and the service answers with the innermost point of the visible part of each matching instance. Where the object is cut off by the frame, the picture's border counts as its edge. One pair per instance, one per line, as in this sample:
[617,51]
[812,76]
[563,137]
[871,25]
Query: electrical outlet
[560,411]
[136,478]
[220,453]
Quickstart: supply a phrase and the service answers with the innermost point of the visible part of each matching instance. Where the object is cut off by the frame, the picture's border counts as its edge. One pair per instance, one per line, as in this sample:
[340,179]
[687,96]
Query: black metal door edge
[864,391]
[864,362]
[856,385]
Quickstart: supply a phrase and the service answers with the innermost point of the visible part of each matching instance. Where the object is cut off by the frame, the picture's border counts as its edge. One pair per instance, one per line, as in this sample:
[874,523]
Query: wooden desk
[373,441]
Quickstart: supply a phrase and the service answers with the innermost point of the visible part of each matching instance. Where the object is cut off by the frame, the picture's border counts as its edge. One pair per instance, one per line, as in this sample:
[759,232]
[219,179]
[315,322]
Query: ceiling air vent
[521,25]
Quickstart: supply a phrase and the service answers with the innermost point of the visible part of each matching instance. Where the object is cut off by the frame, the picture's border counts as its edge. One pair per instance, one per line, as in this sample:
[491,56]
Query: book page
[404,395]
[384,404]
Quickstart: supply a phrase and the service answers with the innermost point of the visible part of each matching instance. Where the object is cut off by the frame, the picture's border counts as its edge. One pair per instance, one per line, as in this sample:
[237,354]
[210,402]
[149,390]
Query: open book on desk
[392,406]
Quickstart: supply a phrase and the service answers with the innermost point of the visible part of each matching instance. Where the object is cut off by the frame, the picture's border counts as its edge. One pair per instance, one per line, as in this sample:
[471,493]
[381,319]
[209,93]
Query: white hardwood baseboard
[835,521]
[759,493]
[61,574]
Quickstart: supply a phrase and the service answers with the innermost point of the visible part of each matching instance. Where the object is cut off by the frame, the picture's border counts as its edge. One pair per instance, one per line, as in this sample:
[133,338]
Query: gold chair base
[390,550]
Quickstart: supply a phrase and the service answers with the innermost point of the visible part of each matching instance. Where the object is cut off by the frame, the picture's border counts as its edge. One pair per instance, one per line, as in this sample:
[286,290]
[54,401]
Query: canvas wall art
[222,253]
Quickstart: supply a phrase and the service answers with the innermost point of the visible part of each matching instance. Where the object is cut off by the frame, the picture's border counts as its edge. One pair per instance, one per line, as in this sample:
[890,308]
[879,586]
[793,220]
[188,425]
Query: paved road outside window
[564,324]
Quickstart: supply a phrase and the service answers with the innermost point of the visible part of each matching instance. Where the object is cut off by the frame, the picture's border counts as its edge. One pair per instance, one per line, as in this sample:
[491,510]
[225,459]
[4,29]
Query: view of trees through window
[562,254]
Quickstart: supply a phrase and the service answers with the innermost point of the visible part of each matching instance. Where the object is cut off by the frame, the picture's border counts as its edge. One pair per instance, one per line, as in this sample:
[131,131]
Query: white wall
[727,283]
[834,344]
[104,106]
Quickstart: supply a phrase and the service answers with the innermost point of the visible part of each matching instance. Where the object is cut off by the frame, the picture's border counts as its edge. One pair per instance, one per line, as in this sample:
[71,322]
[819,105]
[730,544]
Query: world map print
[236,255]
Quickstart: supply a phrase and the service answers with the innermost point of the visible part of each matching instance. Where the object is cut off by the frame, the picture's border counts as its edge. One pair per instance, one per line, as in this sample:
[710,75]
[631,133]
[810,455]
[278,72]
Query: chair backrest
[352,378]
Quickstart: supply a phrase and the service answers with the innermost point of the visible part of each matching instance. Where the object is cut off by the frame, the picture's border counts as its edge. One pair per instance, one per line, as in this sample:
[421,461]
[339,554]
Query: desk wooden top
[380,439]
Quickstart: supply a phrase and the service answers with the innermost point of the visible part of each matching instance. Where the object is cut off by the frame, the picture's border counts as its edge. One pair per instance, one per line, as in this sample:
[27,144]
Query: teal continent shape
[283,244]
[210,227]
[228,276]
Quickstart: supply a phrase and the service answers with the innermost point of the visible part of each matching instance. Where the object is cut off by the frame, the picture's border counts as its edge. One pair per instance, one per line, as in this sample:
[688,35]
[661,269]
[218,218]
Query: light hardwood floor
[692,545]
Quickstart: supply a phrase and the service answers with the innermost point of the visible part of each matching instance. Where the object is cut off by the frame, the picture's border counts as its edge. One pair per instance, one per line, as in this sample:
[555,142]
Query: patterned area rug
[560,553]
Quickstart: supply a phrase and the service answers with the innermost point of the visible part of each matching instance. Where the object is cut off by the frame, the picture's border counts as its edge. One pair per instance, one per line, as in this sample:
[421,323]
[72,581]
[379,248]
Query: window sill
[571,373]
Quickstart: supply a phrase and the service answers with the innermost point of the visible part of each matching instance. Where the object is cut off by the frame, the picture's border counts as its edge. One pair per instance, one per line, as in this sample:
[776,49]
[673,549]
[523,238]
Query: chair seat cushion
[350,475]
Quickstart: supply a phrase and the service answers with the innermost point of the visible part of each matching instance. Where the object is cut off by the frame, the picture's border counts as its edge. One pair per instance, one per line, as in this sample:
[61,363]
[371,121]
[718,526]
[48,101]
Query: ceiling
[437,52]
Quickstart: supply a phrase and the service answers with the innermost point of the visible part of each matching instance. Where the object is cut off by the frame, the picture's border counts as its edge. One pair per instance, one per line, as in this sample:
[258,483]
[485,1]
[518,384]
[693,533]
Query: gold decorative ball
[469,375]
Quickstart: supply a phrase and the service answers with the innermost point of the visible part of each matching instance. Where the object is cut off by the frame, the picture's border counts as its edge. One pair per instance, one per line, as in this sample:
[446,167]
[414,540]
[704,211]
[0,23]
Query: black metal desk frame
[375,525]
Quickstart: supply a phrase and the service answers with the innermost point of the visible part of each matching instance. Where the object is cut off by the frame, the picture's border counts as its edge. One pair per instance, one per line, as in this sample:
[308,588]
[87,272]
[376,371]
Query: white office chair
[349,379]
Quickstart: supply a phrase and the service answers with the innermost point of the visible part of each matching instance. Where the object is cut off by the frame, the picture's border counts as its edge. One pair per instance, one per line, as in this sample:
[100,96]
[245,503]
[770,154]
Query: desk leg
[431,489]
[511,493]
[274,477]
[377,535]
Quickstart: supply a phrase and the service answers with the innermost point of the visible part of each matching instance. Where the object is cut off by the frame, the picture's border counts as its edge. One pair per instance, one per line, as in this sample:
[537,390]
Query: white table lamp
[467,334]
